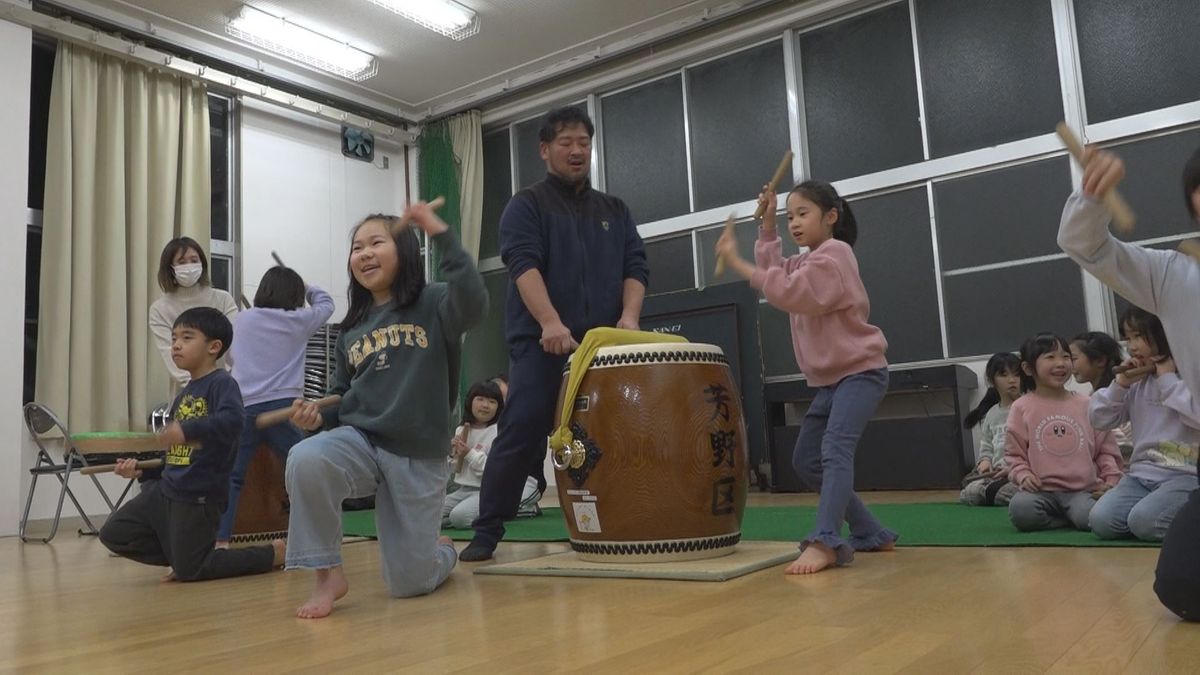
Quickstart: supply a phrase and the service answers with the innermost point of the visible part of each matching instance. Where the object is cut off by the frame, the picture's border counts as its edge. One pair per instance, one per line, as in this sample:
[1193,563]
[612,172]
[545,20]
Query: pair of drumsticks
[784,168]
[150,442]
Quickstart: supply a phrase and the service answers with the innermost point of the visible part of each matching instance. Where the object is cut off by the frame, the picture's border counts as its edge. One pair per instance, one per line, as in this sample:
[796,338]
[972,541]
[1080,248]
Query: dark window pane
[779,358]
[485,352]
[497,189]
[530,166]
[989,70]
[1001,215]
[671,264]
[895,259]
[221,273]
[1153,183]
[1137,56]
[41,76]
[860,95]
[737,108]
[219,129]
[996,310]
[644,150]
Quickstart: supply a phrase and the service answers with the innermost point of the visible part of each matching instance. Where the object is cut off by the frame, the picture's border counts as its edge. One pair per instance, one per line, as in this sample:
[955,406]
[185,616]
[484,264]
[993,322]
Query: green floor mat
[938,524]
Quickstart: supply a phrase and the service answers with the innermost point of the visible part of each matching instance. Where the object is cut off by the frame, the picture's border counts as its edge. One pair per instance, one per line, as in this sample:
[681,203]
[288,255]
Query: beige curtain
[127,169]
[466,134]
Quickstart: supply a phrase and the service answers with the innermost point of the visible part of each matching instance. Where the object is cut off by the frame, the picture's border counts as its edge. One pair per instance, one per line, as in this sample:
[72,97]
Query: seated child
[988,484]
[1054,455]
[1095,356]
[1166,435]
[173,521]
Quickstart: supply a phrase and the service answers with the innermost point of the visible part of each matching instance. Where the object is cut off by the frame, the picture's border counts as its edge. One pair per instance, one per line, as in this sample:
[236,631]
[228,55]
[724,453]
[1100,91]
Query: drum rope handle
[593,340]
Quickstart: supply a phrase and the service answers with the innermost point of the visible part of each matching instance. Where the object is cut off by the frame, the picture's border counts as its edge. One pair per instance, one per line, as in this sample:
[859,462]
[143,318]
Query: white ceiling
[521,42]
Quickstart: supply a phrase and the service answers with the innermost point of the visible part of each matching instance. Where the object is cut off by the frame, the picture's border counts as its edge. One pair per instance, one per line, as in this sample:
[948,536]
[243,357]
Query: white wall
[15,48]
[300,196]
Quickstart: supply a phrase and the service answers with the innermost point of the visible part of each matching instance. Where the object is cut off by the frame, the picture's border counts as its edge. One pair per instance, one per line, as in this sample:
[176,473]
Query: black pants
[1177,579]
[155,530]
[519,450]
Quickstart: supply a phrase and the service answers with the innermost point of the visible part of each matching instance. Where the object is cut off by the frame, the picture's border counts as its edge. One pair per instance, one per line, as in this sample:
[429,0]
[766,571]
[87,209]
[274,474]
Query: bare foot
[816,557]
[169,576]
[221,544]
[331,587]
[280,546]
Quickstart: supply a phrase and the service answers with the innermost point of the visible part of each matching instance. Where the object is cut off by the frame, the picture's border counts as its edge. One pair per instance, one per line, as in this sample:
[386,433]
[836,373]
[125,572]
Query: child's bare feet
[221,543]
[280,546]
[331,586]
[815,557]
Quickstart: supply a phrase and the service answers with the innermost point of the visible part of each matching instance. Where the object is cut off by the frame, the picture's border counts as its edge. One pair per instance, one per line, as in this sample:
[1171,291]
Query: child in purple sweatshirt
[1166,436]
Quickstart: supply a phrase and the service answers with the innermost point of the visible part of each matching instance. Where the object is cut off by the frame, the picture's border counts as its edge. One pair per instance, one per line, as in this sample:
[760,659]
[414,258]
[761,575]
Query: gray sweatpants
[340,464]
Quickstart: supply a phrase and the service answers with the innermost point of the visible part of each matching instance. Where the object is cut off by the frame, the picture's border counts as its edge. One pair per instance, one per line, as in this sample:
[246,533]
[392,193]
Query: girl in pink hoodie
[839,352]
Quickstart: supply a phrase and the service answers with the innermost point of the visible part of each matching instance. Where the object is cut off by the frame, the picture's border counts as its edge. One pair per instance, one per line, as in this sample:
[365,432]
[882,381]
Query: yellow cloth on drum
[582,360]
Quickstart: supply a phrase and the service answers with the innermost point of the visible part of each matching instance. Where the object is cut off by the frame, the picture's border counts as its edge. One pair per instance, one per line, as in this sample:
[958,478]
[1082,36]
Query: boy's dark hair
[1100,346]
[410,274]
[1191,181]
[487,390]
[1149,326]
[210,322]
[826,197]
[280,288]
[560,118]
[1003,362]
[166,263]
[1033,349]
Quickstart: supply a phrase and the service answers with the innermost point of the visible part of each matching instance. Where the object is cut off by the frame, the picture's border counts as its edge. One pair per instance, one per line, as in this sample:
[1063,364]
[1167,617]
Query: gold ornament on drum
[570,456]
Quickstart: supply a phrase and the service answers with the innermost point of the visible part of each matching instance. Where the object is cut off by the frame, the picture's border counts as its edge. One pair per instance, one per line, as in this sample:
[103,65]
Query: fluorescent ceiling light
[444,16]
[283,37]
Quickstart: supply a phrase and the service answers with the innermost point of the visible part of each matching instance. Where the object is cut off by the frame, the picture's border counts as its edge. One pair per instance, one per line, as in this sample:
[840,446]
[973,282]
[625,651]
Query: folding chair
[40,421]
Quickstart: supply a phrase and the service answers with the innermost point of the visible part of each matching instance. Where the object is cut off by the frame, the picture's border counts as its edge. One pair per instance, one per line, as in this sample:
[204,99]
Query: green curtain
[438,176]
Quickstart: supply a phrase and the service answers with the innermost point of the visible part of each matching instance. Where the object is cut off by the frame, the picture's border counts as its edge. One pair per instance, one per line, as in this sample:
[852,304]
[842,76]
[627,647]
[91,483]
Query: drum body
[658,466]
[262,512]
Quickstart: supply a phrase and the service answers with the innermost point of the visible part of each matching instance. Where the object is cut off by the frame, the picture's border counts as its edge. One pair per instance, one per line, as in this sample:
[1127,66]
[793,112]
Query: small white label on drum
[579,492]
[586,518]
[589,498]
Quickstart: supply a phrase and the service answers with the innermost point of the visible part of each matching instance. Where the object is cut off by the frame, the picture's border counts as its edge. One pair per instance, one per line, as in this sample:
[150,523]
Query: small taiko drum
[657,468]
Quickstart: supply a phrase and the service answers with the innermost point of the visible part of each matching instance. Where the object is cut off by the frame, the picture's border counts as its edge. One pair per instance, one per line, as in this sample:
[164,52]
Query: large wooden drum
[262,512]
[657,468]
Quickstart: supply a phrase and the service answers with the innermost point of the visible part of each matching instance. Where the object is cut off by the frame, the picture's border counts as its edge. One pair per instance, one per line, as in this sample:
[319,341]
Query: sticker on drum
[586,518]
[582,403]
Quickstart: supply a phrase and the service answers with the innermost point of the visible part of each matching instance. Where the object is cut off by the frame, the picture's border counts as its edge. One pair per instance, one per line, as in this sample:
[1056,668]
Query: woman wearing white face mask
[183,277]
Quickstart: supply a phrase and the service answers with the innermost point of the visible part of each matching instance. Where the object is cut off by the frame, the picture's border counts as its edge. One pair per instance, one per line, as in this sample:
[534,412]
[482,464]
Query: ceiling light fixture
[443,16]
[309,47]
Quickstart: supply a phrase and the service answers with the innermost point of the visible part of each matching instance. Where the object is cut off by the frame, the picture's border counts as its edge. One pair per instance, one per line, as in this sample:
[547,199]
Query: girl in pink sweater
[837,350]
[1054,455]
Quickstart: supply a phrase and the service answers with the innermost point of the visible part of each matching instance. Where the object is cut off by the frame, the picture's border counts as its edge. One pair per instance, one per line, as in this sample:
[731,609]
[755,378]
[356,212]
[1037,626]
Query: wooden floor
[70,607]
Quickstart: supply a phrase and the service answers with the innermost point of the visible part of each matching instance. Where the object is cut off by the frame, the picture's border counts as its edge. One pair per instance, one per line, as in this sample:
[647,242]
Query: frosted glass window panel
[1137,56]
[860,95]
[989,70]
[671,264]
[1153,183]
[645,155]
[737,114]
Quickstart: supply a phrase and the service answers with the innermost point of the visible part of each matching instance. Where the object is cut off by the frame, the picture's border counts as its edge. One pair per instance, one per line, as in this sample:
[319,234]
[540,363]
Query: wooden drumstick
[462,436]
[270,419]
[1112,200]
[278,260]
[720,269]
[784,168]
[435,203]
[109,468]
[1134,371]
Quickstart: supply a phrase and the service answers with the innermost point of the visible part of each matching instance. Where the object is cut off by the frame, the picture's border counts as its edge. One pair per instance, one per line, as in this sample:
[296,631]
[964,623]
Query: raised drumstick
[278,260]
[435,203]
[721,259]
[1112,200]
[270,419]
[785,166]
[109,468]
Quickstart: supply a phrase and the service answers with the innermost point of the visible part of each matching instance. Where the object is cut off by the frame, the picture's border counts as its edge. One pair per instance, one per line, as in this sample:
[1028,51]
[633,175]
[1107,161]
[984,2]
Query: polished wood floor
[70,607]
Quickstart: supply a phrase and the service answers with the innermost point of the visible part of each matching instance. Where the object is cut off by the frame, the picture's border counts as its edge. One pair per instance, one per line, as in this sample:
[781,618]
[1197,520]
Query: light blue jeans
[335,465]
[824,460]
[1140,508]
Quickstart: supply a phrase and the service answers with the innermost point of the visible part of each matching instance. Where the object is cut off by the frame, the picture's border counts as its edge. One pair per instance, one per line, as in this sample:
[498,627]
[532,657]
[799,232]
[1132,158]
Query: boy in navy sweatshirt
[173,522]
